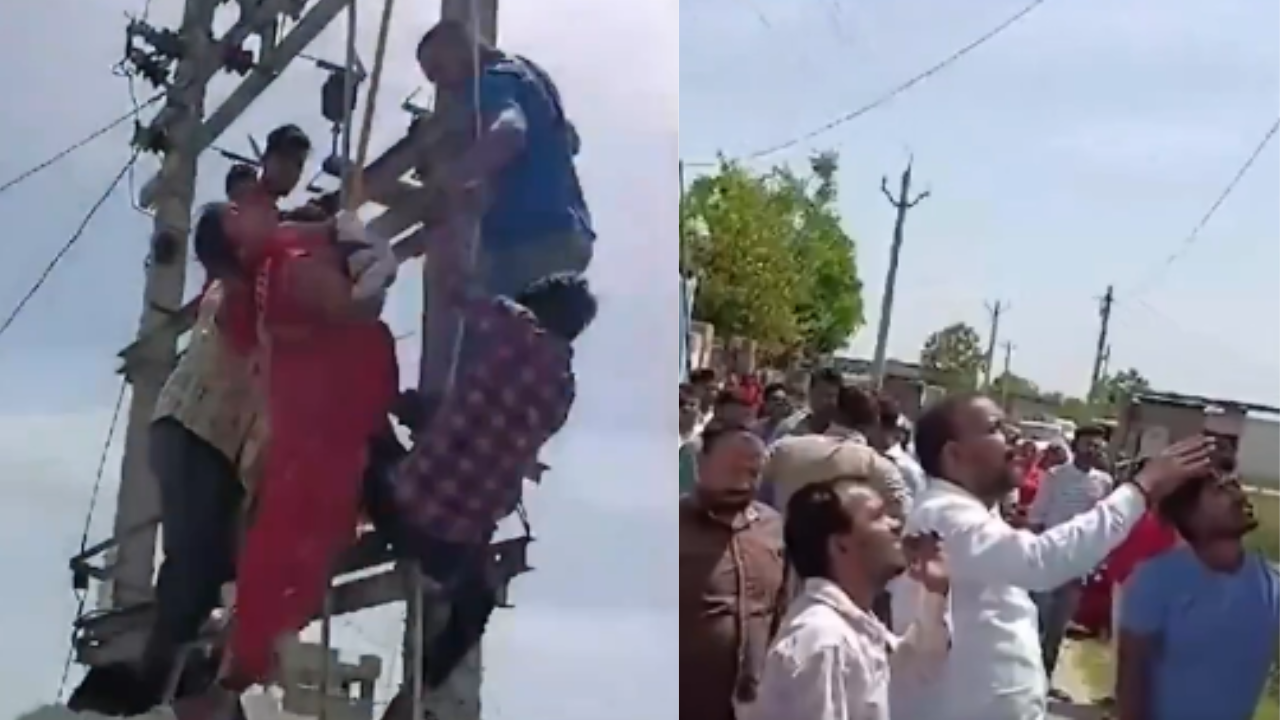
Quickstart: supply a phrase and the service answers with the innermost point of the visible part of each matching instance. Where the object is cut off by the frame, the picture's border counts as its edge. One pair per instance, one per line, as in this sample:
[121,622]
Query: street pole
[149,360]
[458,698]
[995,311]
[1104,331]
[1008,373]
[148,367]
[901,205]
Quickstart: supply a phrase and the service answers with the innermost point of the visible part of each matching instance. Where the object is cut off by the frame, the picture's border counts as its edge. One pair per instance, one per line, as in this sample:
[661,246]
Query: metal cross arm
[260,78]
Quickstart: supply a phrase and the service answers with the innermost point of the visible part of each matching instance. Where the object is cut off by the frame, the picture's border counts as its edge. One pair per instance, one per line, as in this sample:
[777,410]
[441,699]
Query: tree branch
[919,197]
[884,188]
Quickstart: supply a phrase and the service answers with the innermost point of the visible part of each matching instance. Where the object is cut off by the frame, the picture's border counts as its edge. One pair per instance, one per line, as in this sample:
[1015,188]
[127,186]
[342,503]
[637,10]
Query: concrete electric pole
[902,203]
[1008,364]
[1103,350]
[148,361]
[995,311]
[153,357]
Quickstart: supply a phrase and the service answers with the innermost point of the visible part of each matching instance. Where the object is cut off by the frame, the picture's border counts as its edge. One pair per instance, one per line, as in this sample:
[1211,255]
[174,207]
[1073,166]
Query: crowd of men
[838,563]
[278,417]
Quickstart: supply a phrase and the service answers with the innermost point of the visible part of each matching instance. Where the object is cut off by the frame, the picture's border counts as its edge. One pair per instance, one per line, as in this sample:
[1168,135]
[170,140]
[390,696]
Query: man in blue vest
[515,180]
[535,220]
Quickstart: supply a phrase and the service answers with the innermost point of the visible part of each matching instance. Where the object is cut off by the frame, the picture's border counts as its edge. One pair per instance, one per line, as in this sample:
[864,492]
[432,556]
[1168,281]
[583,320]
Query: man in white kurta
[994,670]
[832,658]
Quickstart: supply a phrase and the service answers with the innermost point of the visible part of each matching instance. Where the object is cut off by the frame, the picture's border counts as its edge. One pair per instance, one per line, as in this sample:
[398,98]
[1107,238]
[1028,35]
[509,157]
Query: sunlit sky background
[599,612]
[1076,150]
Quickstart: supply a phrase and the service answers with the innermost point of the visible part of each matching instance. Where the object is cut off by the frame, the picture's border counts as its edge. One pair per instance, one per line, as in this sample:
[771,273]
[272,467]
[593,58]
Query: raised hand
[926,563]
[1178,463]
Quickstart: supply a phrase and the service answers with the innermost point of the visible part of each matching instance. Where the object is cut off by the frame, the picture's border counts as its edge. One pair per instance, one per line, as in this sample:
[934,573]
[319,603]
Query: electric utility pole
[901,204]
[184,133]
[1104,330]
[1008,364]
[458,698]
[148,367]
[995,311]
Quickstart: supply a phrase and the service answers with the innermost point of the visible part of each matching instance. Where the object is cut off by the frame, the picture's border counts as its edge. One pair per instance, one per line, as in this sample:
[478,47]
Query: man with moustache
[732,577]
[1198,623]
[994,670]
[833,658]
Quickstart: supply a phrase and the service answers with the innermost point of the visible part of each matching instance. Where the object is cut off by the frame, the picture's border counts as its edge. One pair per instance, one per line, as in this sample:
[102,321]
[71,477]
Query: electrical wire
[82,597]
[37,169]
[897,90]
[1158,273]
[66,248]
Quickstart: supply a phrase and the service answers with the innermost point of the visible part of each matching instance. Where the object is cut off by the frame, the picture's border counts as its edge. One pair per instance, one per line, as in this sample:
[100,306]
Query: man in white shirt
[887,437]
[832,658]
[1068,490]
[994,670]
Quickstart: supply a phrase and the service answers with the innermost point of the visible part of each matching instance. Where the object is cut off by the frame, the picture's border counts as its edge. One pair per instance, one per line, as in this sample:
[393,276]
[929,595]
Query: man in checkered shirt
[513,391]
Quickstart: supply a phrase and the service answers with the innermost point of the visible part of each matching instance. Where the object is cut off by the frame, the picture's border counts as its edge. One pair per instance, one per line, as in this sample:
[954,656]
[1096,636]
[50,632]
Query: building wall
[1259,455]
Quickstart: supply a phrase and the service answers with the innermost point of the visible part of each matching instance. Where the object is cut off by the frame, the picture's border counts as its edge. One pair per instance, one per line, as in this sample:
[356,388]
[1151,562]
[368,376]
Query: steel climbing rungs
[96,633]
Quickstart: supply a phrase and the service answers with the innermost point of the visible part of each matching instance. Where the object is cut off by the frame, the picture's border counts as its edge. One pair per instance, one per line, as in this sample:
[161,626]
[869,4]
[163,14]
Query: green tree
[829,307]
[772,260]
[952,357]
[1115,389]
[1017,385]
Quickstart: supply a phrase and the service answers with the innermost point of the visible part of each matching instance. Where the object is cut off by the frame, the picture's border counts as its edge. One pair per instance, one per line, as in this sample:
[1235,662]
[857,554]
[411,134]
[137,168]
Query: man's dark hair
[815,514]
[890,414]
[212,246]
[775,387]
[826,376]
[702,376]
[935,428]
[450,31]
[240,173]
[718,430]
[856,408]
[289,139]
[1088,432]
[1179,506]
[563,304]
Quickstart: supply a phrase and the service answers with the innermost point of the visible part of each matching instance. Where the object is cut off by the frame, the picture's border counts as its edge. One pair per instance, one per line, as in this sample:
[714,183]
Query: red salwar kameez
[330,384]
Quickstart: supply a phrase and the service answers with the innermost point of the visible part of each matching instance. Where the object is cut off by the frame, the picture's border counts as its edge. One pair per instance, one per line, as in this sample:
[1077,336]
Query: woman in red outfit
[330,377]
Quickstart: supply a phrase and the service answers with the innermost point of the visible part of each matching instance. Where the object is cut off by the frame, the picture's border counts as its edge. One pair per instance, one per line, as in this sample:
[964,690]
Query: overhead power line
[37,169]
[897,90]
[1159,271]
[88,524]
[66,248]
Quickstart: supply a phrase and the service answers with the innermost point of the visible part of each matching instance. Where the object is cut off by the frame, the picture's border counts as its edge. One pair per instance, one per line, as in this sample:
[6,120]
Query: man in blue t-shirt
[534,219]
[1199,624]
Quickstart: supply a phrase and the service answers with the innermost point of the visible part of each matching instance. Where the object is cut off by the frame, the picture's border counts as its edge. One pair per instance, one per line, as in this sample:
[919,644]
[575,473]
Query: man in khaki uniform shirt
[799,460]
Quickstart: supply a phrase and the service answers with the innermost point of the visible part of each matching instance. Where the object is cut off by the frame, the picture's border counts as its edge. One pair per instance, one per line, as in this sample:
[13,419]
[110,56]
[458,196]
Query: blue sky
[600,611]
[1077,149]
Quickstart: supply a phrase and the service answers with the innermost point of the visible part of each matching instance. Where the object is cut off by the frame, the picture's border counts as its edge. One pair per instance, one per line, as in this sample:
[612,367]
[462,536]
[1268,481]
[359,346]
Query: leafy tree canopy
[772,260]
[952,357]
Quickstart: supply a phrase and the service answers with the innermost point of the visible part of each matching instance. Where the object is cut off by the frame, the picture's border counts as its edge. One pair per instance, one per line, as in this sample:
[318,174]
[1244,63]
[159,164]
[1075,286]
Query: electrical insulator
[238,60]
[167,43]
[155,70]
[333,96]
[149,139]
